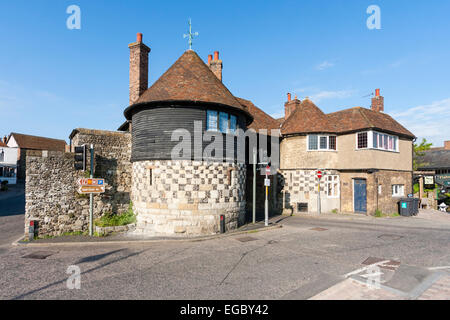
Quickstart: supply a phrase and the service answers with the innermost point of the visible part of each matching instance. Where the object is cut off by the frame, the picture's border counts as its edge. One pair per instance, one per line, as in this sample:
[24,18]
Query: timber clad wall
[51,183]
[152,130]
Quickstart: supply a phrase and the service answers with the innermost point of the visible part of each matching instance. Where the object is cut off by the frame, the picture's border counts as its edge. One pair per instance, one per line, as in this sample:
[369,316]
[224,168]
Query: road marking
[365,268]
[439,268]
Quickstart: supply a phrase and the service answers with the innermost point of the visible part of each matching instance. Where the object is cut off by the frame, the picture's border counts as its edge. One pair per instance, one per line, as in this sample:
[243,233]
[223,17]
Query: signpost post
[255,160]
[266,202]
[319,176]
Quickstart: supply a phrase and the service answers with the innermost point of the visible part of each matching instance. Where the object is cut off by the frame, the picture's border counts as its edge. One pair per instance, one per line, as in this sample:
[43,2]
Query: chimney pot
[216,65]
[216,55]
[209,59]
[377,102]
[447,145]
[289,96]
[138,68]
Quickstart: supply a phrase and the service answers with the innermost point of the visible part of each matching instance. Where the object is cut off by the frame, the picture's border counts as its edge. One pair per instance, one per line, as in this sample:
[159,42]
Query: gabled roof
[435,159]
[261,120]
[188,79]
[25,141]
[307,118]
[361,118]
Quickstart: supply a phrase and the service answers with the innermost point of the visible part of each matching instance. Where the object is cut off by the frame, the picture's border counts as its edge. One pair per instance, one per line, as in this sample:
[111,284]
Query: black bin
[416,206]
[406,207]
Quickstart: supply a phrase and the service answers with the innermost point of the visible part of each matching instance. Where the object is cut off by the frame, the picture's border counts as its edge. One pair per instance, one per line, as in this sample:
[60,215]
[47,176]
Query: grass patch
[115,220]
[379,214]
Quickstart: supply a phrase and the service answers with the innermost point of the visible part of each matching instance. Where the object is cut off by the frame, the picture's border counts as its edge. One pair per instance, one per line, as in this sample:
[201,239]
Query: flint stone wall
[186,198]
[51,183]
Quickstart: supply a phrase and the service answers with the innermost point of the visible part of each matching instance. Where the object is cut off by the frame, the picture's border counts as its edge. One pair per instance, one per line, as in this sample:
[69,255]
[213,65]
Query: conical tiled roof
[188,79]
[307,118]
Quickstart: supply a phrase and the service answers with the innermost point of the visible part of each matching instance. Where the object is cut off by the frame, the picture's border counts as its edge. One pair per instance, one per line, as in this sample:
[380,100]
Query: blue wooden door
[360,195]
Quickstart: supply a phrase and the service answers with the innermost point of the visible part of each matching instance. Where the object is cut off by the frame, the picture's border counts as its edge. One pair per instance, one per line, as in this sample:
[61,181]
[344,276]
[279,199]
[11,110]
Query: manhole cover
[390,237]
[246,239]
[39,255]
[318,229]
[390,264]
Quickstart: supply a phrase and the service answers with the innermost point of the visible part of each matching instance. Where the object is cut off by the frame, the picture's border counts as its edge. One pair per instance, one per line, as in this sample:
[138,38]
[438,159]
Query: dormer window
[321,142]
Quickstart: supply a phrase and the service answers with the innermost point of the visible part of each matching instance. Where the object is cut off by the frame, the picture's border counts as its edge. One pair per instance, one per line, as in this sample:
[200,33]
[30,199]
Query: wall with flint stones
[51,183]
[187,198]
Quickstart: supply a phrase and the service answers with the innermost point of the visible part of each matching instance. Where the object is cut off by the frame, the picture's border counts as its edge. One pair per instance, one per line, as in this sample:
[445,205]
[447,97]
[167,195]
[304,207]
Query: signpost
[266,203]
[319,176]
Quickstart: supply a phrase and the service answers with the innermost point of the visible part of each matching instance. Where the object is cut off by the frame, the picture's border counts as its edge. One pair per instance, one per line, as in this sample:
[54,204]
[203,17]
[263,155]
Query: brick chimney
[138,68]
[290,105]
[216,65]
[378,102]
[447,145]
[5,138]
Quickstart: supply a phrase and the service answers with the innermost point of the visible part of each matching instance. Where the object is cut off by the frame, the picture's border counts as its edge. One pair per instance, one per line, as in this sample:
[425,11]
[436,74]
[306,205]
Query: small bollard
[222,224]
[32,229]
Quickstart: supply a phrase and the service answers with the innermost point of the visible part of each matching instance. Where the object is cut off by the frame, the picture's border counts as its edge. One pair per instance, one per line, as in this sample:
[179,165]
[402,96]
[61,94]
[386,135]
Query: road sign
[91,182]
[91,189]
[267,182]
[268,170]
[319,174]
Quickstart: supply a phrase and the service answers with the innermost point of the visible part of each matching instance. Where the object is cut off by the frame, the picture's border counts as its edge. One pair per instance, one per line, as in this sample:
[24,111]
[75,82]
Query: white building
[8,164]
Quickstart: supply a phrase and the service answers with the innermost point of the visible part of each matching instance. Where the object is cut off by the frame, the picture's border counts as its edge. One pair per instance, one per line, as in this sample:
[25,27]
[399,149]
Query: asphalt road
[12,211]
[293,262]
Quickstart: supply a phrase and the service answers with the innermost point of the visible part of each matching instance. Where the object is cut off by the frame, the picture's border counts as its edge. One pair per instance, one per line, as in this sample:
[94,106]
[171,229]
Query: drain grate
[390,237]
[390,265]
[41,255]
[246,239]
[318,229]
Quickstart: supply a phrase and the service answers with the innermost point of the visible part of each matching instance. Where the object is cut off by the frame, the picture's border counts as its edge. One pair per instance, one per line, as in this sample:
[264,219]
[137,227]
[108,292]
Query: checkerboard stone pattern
[302,185]
[181,197]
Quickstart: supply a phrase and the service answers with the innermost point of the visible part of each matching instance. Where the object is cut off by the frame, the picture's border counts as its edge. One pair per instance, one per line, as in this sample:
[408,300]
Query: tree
[419,152]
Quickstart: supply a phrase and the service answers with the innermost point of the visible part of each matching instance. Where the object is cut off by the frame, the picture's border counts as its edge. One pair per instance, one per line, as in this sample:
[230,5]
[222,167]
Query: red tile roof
[189,79]
[25,141]
[261,120]
[2,144]
[307,118]
[361,118]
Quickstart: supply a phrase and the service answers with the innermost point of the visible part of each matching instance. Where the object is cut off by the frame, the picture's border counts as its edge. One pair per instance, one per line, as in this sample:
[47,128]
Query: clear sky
[53,79]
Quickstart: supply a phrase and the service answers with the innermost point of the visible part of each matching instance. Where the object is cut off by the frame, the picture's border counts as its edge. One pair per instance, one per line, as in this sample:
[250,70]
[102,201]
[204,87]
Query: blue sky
[53,79]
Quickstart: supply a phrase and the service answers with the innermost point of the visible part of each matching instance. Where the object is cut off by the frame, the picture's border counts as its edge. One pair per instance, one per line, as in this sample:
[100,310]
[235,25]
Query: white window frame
[319,136]
[370,145]
[398,190]
[333,182]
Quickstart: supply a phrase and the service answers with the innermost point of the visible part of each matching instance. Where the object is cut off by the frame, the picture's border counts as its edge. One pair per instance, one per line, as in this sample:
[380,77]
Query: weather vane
[190,35]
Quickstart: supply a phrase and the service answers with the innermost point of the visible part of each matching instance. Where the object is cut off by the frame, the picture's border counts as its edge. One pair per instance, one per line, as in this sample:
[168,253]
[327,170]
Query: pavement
[324,257]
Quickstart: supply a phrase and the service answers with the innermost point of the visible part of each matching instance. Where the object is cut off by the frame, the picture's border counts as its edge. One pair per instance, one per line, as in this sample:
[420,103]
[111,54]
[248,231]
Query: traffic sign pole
[266,202]
[91,197]
[255,160]
[319,176]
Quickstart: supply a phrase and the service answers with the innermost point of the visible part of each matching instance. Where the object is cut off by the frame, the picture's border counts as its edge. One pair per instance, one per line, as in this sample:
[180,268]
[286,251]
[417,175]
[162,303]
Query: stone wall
[187,197]
[376,198]
[51,183]
[301,186]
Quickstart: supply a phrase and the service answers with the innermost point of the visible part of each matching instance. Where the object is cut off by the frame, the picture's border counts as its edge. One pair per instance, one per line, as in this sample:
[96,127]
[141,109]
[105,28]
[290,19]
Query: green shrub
[4,185]
[378,213]
[334,211]
[115,220]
